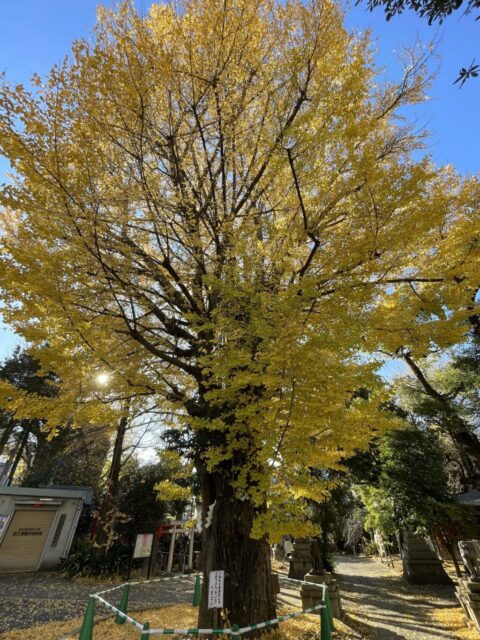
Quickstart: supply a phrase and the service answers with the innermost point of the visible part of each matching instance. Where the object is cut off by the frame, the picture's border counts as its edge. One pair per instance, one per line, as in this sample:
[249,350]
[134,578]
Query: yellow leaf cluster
[219,206]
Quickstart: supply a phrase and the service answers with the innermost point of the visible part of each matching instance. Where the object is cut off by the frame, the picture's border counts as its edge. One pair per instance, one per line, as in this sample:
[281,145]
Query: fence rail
[86,632]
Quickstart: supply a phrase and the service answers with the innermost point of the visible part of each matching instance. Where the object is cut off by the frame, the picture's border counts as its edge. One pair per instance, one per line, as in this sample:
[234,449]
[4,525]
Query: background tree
[434,11]
[21,371]
[142,494]
[331,514]
[411,491]
[353,530]
[134,419]
[71,457]
[413,477]
[445,399]
[143,501]
[219,204]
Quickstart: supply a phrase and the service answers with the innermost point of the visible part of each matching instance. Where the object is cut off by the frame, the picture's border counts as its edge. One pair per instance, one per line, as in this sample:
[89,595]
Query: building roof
[79,492]
[87,495]
[469,499]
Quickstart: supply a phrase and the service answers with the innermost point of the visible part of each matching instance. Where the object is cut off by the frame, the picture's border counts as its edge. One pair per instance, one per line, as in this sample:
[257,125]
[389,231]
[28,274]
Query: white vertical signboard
[215,589]
[143,545]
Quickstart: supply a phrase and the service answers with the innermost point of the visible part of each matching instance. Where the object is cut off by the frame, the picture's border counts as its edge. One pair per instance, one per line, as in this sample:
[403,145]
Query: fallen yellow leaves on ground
[453,618]
[303,628]
[47,631]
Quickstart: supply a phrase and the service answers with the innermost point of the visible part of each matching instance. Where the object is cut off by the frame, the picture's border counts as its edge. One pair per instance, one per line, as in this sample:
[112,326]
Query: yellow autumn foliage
[168,490]
[218,204]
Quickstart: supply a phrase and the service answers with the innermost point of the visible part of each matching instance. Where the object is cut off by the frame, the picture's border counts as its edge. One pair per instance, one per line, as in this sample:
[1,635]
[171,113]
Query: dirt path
[386,608]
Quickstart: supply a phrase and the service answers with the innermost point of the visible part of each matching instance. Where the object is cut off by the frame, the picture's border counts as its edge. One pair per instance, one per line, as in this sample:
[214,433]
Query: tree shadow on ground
[367,630]
[389,607]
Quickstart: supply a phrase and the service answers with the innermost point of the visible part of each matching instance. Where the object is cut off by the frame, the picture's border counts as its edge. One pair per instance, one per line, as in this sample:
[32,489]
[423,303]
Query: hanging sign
[143,545]
[215,589]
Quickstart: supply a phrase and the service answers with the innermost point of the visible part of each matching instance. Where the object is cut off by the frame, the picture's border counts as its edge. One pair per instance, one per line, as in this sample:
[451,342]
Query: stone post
[278,552]
[300,562]
[312,592]
[421,564]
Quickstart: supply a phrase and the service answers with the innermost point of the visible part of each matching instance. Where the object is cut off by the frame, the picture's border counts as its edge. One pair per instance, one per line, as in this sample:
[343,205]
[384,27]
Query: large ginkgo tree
[217,204]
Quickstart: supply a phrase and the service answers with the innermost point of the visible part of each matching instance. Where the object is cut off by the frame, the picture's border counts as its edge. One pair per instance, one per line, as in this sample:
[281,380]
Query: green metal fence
[122,616]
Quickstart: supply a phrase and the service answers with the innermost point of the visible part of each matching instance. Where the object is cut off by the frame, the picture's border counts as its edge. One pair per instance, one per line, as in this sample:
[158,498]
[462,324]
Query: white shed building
[37,526]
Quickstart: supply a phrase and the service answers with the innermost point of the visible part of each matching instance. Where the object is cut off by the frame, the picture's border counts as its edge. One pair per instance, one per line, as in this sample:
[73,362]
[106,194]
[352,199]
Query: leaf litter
[306,627]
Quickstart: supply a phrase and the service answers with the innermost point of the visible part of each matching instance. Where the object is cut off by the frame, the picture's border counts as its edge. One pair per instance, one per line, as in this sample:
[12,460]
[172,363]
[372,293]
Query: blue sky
[34,35]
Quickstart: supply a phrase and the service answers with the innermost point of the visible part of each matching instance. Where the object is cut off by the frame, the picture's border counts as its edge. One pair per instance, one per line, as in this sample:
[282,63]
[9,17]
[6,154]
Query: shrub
[87,559]
[371,549]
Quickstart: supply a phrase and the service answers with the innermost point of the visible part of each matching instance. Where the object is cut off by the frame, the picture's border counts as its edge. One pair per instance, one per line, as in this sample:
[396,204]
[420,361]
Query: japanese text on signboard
[215,589]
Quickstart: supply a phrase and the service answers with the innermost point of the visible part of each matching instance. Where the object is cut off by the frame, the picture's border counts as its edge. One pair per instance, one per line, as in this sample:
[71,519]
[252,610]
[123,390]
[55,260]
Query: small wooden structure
[164,555]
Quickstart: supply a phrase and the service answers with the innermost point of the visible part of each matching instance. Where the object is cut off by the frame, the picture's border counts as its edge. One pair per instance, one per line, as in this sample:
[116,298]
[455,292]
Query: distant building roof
[79,492]
[469,499]
[88,491]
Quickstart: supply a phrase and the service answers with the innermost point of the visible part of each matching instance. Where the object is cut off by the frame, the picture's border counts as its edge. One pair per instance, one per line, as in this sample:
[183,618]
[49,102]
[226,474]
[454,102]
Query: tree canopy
[411,490]
[36,458]
[219,205]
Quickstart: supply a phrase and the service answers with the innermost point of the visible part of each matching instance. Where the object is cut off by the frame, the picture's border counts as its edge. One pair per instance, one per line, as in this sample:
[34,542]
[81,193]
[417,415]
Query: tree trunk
[227,545]
[451,551]
[18,454]
[6,433]
[101,535]
[327,566]
[468,444]
[46,458]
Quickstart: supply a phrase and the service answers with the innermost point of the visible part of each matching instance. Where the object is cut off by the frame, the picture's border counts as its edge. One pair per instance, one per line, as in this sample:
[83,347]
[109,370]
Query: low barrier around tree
[122,616]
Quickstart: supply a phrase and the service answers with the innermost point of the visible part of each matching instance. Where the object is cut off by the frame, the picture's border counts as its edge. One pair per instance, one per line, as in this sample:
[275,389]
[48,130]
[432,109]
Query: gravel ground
[27,599]
[374,597]
[34,598]
[387,609]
